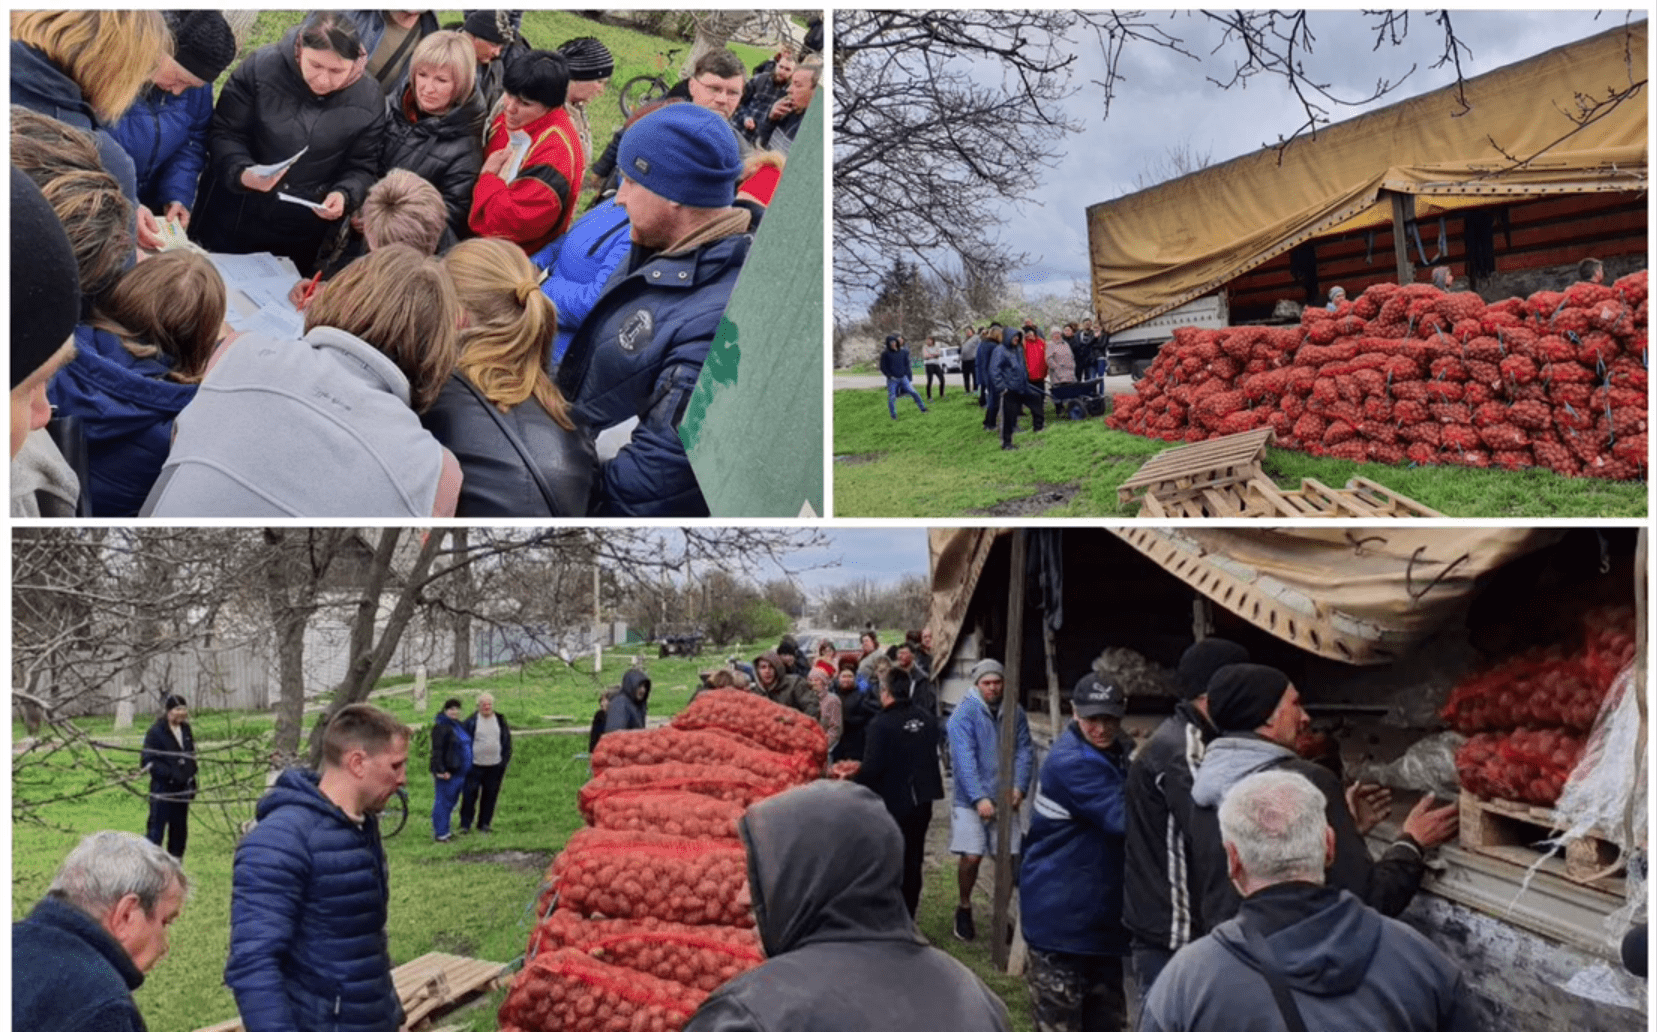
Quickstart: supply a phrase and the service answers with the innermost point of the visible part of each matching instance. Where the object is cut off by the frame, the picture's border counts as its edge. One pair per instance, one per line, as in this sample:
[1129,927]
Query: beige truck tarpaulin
[1357,595]
[1160,247]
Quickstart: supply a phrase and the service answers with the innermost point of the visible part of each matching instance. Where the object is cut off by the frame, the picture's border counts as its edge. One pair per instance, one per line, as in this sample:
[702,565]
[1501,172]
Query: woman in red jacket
[532,164]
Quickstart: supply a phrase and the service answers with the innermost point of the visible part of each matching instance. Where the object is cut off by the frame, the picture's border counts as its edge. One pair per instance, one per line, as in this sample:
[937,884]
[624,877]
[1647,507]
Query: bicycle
[642,89]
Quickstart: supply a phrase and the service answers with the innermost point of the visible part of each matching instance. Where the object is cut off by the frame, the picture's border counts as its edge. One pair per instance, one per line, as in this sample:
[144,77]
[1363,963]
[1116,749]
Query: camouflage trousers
[1072,992]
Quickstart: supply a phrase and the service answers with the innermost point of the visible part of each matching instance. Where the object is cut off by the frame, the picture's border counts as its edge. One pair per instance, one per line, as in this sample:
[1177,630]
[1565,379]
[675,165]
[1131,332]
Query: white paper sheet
[270,170]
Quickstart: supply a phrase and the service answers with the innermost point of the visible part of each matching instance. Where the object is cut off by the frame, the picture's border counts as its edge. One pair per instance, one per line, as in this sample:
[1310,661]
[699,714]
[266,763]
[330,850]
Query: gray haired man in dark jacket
[1299,953]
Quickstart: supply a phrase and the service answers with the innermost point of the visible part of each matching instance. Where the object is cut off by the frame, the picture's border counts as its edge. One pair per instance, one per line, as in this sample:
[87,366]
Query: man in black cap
[1070,887]
[491,34]
[591,65]
[1258,713]
[1160,911]
[170,755]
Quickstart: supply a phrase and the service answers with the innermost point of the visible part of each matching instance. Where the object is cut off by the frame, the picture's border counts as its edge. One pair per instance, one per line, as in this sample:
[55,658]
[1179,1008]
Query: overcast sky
[1167,101]
[879,555]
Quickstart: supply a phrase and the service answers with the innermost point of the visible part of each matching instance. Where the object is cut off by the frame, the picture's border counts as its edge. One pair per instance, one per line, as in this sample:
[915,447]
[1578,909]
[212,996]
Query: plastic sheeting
[1156,249]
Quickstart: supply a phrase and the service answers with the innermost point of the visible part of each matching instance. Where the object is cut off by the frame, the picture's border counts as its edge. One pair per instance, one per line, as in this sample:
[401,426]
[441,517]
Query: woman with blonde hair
[85,68]
[136,366]
[518,443]
[436,124]
[327,425]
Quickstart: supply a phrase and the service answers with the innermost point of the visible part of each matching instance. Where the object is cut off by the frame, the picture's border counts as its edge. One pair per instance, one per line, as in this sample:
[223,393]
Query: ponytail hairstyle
[510,326]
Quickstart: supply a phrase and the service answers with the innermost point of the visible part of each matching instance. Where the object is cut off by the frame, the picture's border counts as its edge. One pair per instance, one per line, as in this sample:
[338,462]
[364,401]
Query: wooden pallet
[1513,832]
[1195,473]
[426,985]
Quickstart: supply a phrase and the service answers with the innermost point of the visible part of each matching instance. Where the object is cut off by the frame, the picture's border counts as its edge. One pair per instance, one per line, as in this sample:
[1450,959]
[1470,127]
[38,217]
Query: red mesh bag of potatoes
[568,991]
[723,783]
[1526,766]
[702,957]
[640,874]
[671,745]
[671,813]
[767,724]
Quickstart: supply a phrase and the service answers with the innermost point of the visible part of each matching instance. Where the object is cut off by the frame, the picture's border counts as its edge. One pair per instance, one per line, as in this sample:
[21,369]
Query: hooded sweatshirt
[1388,885]
[628,709]
[787,689]
[825,867]
[1346,966]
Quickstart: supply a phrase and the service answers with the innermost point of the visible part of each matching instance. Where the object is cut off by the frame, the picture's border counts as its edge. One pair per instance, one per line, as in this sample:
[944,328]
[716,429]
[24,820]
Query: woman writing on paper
[304,96]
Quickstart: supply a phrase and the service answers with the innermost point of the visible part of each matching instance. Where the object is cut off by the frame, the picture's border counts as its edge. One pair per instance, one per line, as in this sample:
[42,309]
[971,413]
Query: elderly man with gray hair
[491,752]
[81,952]
[1300,954]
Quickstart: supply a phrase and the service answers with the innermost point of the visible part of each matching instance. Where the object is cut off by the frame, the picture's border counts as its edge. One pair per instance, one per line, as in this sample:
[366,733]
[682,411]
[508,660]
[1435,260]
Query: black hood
[635,684]
[825,864]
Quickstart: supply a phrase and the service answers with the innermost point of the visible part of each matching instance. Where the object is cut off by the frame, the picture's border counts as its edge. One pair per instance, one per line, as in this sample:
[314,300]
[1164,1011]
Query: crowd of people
[469,335]
[1006,369]
[1230,870]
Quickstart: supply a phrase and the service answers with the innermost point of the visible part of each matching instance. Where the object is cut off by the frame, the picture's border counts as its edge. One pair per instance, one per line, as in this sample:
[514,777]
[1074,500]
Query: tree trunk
[295,568]
[713,32]
[461,668]
[368,657]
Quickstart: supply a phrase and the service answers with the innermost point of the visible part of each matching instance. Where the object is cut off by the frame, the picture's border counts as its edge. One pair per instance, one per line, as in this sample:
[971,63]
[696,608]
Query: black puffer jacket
[825,866]
[172,769]
[517,463]
[445,150]
[265,114]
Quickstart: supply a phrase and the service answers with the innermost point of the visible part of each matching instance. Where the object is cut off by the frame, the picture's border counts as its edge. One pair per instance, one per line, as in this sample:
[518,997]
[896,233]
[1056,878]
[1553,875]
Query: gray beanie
[987,666]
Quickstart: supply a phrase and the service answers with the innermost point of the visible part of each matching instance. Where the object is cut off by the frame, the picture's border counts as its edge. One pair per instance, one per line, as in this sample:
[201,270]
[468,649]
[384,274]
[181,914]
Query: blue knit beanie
[685,153]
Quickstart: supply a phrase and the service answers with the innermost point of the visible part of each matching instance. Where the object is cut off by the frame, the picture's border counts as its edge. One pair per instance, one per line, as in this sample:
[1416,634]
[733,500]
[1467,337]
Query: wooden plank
[1410,505]
[1513,831]
[425,985]
[1219,504]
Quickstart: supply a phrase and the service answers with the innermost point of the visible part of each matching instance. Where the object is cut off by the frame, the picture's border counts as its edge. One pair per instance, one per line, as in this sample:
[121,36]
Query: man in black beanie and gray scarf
[1258,714]
[591,65]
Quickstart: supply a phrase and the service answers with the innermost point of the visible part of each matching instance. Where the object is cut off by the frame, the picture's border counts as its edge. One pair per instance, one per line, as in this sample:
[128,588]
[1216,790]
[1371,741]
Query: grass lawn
[945,464]
[471,898]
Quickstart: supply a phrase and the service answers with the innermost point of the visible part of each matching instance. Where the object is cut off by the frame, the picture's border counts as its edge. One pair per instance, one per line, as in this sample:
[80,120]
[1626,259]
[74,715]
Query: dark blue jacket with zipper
[166,137]
[308,948]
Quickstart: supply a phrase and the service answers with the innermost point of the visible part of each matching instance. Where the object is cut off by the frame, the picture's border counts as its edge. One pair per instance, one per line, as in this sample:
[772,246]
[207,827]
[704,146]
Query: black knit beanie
[589,59]
[1243,695]
[486,25]
[1200,661]
[46,286]
[203,44]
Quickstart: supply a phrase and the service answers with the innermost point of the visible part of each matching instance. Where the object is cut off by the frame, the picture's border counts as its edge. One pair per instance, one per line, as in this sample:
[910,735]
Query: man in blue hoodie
[1070,888]
[1301,953]
[898,368]
[309,892]
[975,759]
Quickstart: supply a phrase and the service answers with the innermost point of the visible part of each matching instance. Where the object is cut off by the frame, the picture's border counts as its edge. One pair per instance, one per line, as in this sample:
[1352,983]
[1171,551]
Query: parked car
[951,360]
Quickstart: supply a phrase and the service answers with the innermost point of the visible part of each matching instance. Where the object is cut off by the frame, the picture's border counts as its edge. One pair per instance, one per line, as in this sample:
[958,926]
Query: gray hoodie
[1388,885]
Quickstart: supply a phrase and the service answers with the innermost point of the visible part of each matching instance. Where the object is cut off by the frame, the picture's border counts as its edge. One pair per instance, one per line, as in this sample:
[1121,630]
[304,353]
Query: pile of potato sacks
[642,917]
[1410,373]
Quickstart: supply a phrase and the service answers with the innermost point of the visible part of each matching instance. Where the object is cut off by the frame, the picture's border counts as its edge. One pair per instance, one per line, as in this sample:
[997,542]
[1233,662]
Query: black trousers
[1011,401]
[914,852]
[169,818]
[1148,962]
[969,367]
[933,369]
[488,780]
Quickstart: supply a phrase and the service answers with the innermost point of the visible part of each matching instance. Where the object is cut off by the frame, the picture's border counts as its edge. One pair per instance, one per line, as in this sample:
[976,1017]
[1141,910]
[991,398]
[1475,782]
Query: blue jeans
[896,387]
[443,806]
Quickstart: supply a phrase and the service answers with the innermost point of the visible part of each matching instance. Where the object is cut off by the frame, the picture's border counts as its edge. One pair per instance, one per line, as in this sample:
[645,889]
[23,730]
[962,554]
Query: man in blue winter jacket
[1070,887]
[309,892]
[639,352]
[975,759]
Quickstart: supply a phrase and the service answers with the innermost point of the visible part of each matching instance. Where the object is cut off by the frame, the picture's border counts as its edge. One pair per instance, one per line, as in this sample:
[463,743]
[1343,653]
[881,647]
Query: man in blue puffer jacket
[165,130]
[641,349]
[308,950]
[1070,887]
[450,763]
[579,264]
